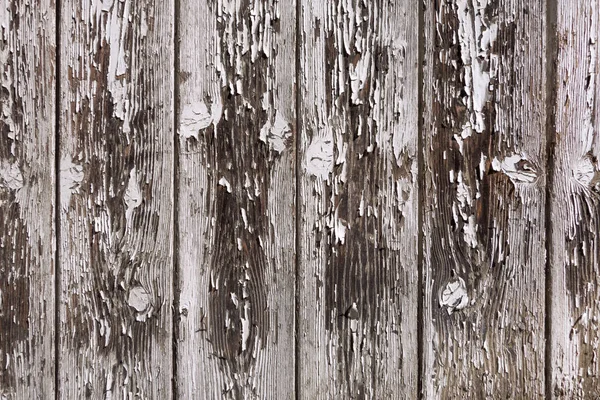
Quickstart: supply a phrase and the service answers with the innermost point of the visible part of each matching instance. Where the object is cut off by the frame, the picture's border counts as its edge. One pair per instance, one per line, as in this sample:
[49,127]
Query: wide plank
[575,204]
[116,198]
[236,199]
[27,198]
[358,200]
[485,160]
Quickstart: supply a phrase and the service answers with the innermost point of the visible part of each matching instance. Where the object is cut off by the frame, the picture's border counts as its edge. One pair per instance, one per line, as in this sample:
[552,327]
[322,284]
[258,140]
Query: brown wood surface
[116,199]
[358,197]
[575,205]
[484,219]
[27,192]
[315,199]
[236,196]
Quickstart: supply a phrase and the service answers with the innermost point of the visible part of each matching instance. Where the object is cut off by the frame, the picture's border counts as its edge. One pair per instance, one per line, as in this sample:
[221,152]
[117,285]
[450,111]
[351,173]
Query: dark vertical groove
[421,195]
[175,255]
[551,54]
[298,209]
[57,209]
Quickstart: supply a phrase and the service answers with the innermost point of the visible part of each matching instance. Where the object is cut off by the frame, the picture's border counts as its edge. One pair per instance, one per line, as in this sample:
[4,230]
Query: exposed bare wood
[358,200]
[484,221]
[116,178]
[27,192]
[575,205]
[236,119]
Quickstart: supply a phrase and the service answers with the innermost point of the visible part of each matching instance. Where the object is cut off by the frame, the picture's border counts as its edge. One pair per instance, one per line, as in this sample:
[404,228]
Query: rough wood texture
[484,219]
[116,179]
[27,136]
[236,119]
[575,205]
[358,200]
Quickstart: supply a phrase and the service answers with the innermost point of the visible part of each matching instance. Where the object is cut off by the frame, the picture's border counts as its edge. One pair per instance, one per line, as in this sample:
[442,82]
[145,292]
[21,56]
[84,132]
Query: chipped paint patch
[454,297]
[197,116]
[71,176]
[276,134]
[225,183]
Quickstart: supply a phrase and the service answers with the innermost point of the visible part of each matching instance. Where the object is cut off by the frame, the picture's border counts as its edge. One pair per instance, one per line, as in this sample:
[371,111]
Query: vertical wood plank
[236,174]
[358,199]
[27,192]
[484,221]
[116,179]
[575,205]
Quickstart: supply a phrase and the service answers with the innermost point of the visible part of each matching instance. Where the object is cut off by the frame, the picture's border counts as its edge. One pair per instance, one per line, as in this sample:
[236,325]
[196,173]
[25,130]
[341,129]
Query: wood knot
[454,295]
[518,168]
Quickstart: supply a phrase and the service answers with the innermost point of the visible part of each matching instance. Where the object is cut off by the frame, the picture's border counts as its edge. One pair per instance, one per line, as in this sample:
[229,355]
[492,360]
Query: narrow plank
[116,194]
[484,219]
[27,192]
[575,205]
[358,271]
[236,190]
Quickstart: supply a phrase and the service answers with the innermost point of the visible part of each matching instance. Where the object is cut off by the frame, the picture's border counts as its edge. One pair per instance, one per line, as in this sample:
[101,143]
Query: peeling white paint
[476,36]
[454,296]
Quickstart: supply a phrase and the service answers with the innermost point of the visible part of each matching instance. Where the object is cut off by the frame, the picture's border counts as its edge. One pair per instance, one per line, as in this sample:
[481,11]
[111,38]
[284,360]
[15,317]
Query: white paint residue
[71,176]
[517,168]
[319,157]
[276,134]
[10,176]
[225,183]
[196,117]
[133,195]
[454,296]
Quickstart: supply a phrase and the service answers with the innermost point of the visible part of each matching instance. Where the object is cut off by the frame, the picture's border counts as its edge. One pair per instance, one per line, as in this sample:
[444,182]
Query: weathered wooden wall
[312,199]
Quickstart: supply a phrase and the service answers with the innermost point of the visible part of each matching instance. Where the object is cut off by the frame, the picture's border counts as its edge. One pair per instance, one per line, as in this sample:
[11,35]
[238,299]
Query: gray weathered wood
[484,218]
[27,192]
[575,205]
[236,191]
[116,179]
[358,200]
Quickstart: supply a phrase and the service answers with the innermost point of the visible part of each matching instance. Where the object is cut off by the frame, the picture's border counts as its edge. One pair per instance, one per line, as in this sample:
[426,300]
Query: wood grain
[575,205]
[27,193]
[236,174]
[484,219]
[358,200]
[116,194]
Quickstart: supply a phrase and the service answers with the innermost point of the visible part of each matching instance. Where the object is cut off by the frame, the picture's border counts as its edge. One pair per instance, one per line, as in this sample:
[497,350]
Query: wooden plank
[358,199]
[116,194]
[236,190]
[575,205]
[27,192]
[484,219]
